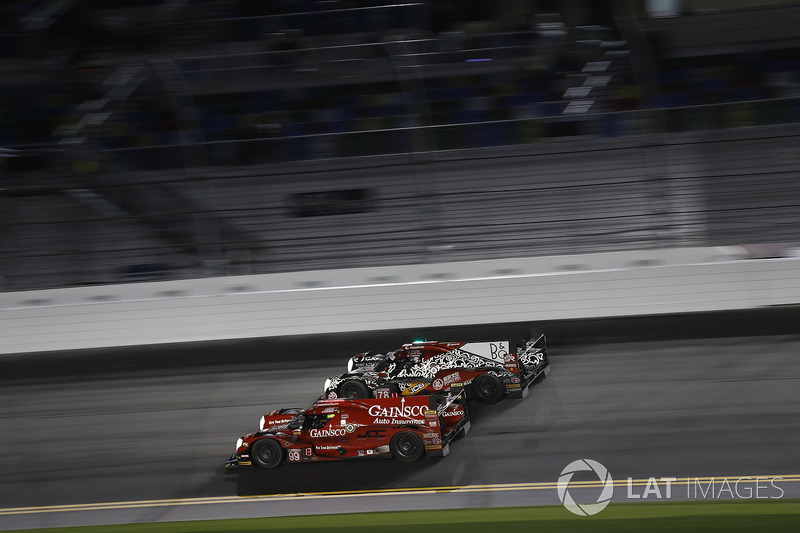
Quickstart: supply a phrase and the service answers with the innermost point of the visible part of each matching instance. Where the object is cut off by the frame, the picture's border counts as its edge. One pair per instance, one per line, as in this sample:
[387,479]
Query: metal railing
[465,136]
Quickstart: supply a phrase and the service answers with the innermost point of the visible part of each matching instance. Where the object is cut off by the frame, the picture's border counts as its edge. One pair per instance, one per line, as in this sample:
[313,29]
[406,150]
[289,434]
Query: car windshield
[384,363]
[306,421]
[407,366]
[296,423]
[316,421]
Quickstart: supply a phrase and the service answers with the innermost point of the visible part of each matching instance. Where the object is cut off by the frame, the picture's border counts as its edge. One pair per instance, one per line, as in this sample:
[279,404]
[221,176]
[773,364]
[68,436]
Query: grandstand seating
[142,123]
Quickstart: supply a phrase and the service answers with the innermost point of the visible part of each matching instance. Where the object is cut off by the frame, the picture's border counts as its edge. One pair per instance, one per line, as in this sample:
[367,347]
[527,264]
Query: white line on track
[102,506]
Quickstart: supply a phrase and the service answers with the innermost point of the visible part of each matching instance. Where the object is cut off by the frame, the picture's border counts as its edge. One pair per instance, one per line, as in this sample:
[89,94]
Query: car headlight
[262,423]
[350,365]
[327,385]
[239,443]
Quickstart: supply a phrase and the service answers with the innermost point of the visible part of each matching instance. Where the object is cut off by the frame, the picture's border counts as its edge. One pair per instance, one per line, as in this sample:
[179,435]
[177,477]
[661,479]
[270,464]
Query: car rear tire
[267,453]
[406,446]
[488,388]
[353,390]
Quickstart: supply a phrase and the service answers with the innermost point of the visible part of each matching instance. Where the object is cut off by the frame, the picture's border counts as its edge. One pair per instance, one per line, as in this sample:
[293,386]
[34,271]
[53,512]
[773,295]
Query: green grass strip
[729,516]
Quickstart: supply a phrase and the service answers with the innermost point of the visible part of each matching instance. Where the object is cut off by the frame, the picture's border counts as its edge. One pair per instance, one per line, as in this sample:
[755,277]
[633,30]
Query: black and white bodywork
[489,371]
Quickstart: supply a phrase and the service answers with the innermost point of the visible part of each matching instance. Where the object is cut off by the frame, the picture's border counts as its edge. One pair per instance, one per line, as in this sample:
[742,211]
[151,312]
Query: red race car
[405,428]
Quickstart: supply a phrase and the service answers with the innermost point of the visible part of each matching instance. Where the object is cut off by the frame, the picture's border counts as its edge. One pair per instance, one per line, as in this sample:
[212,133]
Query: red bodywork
[337,429]
[278,419]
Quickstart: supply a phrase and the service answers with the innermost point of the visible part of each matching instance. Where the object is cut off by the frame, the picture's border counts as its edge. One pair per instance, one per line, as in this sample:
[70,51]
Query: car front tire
[267,453]
[353,390]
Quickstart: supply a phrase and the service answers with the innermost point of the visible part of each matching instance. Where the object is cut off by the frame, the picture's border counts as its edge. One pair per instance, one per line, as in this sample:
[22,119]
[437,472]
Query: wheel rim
[266,454]
[351,392]
[407,445]
[488,388]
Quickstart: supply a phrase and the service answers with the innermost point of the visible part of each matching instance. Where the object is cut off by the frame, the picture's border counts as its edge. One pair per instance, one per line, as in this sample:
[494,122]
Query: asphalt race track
[158,424]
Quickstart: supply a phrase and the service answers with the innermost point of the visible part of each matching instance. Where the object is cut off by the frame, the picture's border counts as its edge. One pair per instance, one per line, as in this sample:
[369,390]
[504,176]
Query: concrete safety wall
[432,295]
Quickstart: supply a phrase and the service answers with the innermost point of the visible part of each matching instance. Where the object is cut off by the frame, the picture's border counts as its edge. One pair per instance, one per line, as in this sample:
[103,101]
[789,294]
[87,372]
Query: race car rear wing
[537,342]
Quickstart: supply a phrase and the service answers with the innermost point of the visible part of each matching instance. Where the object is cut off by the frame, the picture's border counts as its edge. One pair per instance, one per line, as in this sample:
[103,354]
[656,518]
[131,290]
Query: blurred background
[172,139]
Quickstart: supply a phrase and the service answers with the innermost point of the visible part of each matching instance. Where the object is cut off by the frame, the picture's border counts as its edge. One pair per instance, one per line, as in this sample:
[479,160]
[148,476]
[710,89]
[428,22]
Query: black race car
[489,371]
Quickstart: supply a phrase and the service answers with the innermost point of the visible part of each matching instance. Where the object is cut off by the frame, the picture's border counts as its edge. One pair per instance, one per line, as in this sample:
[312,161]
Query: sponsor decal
[398,421]
[433,446]
[429,435]
[496,351]
[401,411]
[373,434]
[440,383]
[350,428]
[329,410]
[513,386]
[370,452]
[361,453]
[332,395]
[514,379]
[328,432]
[415,388]
[459,411]
[326,448]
